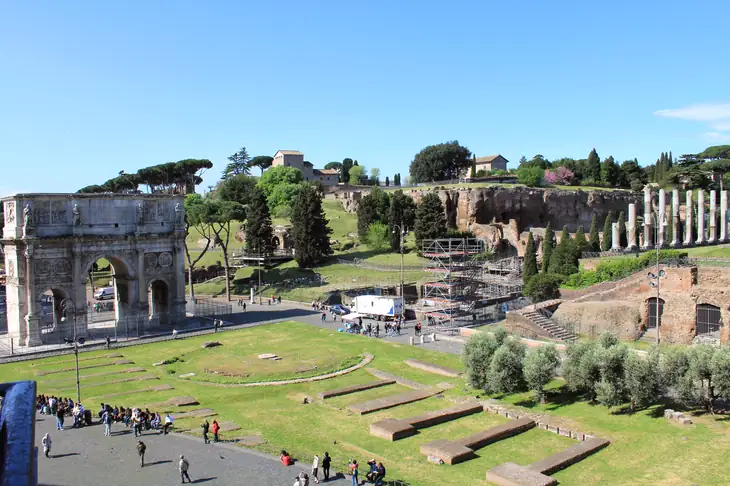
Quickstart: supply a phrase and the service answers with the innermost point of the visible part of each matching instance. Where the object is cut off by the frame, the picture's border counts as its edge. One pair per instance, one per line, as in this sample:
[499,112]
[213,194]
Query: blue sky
[91,88]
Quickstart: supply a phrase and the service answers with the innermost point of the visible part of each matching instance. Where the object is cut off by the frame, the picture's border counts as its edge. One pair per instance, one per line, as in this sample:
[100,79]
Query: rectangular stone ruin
[538,473]
[112,382]
[354,389]
[87,367]
[432,368]
[384,375]
[200,413]
[394,429]
[182,401]
[460,450]
[391,401]
[155,388]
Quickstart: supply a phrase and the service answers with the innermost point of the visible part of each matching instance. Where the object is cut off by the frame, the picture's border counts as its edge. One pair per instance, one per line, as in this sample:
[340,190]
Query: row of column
[659,216]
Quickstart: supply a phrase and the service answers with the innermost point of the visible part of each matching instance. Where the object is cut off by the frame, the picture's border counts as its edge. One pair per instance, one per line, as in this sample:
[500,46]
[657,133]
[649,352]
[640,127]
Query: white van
[104,293]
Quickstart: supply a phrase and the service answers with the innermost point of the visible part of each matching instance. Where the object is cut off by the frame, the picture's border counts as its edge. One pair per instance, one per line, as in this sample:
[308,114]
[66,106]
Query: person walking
[108,341]
[244,307]
[183,467]
[206,426]
[216,429]
[326,461]
[315,469]
[141,449]
[59,418]
[106,418]
[46,445]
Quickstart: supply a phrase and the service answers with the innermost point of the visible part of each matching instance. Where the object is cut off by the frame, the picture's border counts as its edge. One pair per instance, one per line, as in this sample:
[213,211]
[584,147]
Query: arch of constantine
[51,242]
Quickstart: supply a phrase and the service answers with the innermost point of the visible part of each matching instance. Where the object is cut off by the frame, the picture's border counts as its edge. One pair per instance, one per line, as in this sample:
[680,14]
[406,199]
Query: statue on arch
[28,216]
[77,215]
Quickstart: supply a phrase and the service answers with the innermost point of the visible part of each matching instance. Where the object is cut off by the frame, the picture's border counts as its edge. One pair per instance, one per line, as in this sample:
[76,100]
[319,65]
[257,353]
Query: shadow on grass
[554,399]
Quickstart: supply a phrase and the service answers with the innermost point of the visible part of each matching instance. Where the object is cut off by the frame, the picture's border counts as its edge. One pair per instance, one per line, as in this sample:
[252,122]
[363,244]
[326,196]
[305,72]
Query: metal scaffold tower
[462,280]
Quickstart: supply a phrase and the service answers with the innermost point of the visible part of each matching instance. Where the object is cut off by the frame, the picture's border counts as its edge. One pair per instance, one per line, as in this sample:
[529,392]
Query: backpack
[184,465]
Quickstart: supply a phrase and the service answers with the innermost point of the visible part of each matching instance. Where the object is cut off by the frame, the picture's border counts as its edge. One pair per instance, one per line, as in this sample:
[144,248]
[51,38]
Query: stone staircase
[555,330]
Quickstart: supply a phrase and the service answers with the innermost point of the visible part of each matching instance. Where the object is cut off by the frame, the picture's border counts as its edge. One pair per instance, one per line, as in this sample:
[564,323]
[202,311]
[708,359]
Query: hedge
[620,268]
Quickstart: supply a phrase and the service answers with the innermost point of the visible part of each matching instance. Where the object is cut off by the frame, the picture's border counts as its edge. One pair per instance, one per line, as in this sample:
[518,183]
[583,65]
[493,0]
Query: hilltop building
[294,158]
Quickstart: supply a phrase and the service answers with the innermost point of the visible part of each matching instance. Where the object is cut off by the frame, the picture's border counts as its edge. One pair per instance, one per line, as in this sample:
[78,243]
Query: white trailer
[378,306]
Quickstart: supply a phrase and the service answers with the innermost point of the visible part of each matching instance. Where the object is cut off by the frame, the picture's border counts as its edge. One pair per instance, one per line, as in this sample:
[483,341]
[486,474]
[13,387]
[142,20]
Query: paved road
[84,457]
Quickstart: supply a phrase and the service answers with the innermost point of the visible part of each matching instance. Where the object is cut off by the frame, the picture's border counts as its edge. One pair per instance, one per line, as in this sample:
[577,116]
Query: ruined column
[713,218]
[723,216]
[676,239]
[660,218]
[615,237]
[700,217]
[688,212]
[631,228]
[647,219]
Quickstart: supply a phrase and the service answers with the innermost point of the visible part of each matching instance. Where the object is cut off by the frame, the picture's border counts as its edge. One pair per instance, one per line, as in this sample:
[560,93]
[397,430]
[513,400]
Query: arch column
[648,225]
[676,237]
[661,210]
[688,218]
[31,335]
[700,217]
[631,229]
[713,217]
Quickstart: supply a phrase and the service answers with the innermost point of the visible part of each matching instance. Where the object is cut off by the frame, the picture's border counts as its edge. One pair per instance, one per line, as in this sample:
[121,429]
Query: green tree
[375,173]
[529,266]
[530,176]
[477,358]
[610,390]
[430,221]
[198,222]
[720,369]
[581,369]
[607,232]
[610,172]
[540,367]
[566,256]
[396,180]
[387,181]
[440,162]
[259,232]
[345,170]
[623,240]
[580,240]
[281,184]
[643,379]
[263,162]
[310,228]
[548,244]
[473,166]
[593,241]
[238,164]
[373,208]
[334,165]
[223,214]
[356,174]
[402,213]
[543,286]
[505,370]
[593,167]
[238,188]
[377,236]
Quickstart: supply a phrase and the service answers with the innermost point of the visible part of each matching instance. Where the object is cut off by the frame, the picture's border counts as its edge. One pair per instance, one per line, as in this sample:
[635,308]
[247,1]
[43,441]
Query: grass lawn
[646,449]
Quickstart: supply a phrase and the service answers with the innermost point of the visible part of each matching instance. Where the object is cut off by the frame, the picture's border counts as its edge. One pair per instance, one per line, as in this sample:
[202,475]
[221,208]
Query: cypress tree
[580,239]
[659,171]
[564,235]
[474,165]
[622,230]
[607,232]
[310,228]
[259,232]
[430,219]
[548,244]
[670,162]
[593,166]
[529,266]
[593,241]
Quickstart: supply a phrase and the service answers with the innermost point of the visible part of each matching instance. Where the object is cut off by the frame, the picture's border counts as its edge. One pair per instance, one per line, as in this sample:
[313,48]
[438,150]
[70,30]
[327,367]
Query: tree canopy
[310,228]
[440,162]
[238,164]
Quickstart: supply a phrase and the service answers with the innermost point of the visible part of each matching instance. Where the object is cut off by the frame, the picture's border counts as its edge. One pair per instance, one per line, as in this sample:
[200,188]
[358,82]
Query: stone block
[685,421]
[355,388]
[394,429]
[569,456]
[668,413]
[432,368]
[554,430]
[390,401]
[435,460]
[565,433]
[511,474]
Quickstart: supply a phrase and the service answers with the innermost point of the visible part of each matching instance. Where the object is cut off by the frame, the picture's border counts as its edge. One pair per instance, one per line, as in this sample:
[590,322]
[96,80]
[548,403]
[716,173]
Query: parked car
[340,309]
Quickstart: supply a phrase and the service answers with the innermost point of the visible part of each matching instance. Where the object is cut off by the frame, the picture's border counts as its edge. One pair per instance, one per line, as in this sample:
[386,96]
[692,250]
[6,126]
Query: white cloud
[721,127]
[700,112]
[717,136]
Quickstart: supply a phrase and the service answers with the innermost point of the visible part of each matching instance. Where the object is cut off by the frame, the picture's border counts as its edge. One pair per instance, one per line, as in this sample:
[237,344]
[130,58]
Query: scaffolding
[461,280]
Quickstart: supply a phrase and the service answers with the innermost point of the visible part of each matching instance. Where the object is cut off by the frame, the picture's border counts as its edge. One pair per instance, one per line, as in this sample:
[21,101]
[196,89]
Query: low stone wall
[569,456]
[432,368]
[518,324]
[354,389]
[391,401]
[670,414]
[620,318]
[394,429]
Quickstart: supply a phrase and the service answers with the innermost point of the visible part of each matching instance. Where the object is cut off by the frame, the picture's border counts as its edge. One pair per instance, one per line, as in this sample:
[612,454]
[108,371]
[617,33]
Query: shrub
[530,176]
[477,356]
[540,366]
[505,370]
[377,236]
[543,286]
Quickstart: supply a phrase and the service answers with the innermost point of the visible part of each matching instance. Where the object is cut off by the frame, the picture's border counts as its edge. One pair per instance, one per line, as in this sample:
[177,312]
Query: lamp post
[258,259]
[64,305]
[403,232]
[655,279]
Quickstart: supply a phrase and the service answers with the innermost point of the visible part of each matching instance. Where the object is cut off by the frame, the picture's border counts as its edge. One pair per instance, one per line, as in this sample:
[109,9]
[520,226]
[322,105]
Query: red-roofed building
[294,158]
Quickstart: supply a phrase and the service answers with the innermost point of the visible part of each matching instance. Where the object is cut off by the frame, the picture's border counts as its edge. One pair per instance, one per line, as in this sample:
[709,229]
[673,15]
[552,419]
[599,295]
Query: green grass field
[646,449]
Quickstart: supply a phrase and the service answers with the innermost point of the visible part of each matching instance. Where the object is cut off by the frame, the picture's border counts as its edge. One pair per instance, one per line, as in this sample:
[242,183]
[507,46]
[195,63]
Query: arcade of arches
[52,242]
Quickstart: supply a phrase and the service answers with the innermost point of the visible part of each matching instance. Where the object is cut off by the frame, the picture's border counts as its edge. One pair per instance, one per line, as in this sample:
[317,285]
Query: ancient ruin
[51,242]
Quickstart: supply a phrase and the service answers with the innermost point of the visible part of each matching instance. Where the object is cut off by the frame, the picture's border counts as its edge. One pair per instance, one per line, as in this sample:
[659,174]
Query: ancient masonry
[51,242]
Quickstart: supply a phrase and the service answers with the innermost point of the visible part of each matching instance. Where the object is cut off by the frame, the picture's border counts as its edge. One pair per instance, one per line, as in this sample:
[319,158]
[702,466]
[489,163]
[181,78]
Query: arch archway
[654,310]
[708,320]
[276,242]
[159,301]
[55,313]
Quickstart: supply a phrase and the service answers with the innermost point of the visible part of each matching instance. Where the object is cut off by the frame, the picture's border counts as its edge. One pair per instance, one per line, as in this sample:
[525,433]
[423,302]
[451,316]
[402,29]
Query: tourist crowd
[375,475]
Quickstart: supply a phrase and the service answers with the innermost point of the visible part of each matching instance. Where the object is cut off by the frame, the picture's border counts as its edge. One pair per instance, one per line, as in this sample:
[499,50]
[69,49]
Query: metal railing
[208,308]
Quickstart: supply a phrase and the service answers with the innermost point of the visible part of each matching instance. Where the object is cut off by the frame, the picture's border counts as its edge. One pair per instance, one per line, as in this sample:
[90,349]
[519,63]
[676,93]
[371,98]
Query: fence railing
[208,308]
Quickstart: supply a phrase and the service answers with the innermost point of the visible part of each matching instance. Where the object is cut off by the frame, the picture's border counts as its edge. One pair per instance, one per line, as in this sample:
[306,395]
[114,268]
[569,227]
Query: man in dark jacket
[206,426]
[141,448]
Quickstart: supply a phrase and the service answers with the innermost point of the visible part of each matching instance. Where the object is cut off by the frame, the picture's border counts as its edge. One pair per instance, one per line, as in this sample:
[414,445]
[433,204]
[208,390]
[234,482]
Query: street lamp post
[64,305]
[655,279]
[258,259]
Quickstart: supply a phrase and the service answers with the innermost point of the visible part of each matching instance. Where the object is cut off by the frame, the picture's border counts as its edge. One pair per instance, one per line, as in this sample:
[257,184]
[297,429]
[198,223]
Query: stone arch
[651,308]
[276,242]
[124,284]
[708,320]
[159,298]
[54,309]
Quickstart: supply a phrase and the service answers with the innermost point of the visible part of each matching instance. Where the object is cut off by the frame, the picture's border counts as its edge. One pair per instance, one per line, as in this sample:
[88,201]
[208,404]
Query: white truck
[378,306]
